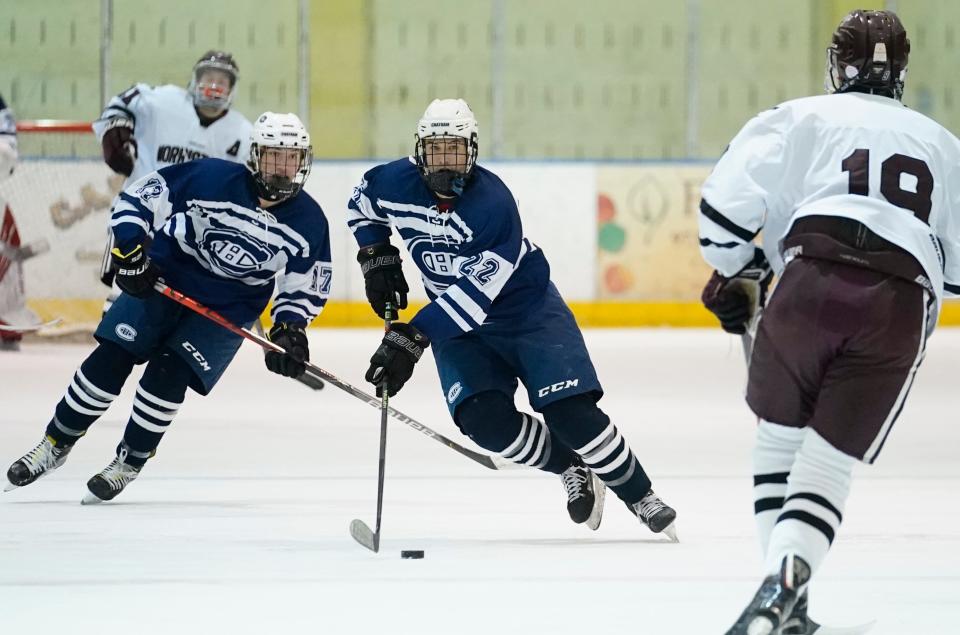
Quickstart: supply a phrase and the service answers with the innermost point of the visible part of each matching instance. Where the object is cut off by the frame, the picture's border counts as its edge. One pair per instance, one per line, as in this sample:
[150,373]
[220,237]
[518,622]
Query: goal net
[60,193]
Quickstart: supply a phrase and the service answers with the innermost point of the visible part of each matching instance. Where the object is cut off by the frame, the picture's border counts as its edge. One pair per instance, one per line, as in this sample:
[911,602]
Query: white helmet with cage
[280,155]
[445,162]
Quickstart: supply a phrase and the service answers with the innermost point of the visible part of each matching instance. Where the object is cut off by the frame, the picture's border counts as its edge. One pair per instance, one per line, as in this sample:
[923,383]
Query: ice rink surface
[240,523]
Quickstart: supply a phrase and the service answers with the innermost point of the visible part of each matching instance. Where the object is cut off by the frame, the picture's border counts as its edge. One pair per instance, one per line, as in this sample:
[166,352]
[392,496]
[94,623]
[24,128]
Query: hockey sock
[580,424]
[773,456]
[492,421]
[812,511]
[94,387]
[159,396]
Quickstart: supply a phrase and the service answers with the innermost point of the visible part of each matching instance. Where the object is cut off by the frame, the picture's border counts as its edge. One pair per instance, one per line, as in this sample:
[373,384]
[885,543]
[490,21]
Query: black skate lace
[574,479]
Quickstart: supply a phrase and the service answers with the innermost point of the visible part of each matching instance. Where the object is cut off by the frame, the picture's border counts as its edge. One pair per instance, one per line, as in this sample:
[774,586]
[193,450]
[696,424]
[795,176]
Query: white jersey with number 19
[859,156]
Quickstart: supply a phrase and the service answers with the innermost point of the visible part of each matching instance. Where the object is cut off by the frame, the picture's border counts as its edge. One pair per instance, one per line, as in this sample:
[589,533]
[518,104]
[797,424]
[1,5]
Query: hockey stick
[13,328]
[24,252]
[326,376]
[309,381]
[359,529]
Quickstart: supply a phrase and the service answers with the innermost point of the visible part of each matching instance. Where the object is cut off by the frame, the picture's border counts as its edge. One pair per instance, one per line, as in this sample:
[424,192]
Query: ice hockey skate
[656,515]
[111,481]
[39,461]
[585,494]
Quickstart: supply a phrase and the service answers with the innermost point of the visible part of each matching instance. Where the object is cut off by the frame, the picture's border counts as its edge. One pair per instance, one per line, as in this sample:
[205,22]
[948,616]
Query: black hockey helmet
[868,53]
[213,95]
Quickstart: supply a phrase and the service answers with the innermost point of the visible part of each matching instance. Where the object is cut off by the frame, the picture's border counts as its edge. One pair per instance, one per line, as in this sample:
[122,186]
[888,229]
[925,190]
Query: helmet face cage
[212,94]
[869,53]
[282,174]
[446,161]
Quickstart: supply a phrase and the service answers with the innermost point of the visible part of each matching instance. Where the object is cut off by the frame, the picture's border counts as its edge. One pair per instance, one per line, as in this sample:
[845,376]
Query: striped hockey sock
[532,446]
[773,456]
[94,387]
[816,494]
[159,396]
[609,456]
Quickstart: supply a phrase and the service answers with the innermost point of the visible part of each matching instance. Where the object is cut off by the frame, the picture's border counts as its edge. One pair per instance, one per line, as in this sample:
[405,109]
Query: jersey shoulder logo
[234,150]
[153,188]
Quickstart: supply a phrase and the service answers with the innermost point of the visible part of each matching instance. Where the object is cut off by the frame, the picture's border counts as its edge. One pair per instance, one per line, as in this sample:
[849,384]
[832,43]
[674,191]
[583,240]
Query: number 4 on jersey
[891,172]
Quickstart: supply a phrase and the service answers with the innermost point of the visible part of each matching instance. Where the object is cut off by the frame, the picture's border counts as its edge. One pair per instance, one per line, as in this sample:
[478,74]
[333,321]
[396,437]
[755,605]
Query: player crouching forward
[225,234]
[494,318]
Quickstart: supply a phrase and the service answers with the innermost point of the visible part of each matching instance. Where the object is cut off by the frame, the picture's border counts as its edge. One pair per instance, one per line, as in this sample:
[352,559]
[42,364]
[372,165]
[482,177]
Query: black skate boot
[656,515]
[41,460]
[585,494]
[111,481]
[773,608]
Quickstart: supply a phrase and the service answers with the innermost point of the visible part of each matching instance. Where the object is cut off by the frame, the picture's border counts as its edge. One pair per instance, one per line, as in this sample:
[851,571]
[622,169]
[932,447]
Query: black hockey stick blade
[362,534]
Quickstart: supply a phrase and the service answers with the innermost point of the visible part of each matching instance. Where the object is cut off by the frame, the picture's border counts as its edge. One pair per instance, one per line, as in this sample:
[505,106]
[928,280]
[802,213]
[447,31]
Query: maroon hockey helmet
[868,53]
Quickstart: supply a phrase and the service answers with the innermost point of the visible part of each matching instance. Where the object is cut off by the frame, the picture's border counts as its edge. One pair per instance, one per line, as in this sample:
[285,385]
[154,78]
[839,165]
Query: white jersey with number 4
[859,156]
[167,129]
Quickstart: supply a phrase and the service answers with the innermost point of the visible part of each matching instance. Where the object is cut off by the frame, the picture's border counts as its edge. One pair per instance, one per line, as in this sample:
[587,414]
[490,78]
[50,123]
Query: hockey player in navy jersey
[494,318]
[225,234]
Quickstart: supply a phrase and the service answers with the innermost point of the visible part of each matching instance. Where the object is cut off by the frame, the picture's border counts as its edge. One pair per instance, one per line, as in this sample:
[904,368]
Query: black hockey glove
[119,146]
[383,277]
[136,274]
[399,352]
[293,339]
[736,300]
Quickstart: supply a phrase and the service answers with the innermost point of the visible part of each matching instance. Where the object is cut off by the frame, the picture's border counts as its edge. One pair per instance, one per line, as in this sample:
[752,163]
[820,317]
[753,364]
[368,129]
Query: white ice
[240,524]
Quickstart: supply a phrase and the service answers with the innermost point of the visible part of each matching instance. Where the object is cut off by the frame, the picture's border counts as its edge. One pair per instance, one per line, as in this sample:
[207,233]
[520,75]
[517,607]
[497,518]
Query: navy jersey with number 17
[213,242]
[476,265]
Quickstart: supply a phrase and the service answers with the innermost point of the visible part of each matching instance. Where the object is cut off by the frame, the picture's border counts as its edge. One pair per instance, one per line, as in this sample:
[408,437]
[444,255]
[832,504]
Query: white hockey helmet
[280,155]
[444,120]
[211,94]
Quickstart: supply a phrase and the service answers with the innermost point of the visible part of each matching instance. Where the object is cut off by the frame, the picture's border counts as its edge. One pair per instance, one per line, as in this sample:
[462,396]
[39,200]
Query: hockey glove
[293,339]
[136,274]
[383,277]
[399,352]
[736,300]
[119,146]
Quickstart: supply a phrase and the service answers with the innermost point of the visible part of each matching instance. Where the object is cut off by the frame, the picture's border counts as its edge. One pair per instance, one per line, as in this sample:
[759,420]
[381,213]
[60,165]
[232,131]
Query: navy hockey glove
[736,300]
[383,277]
[136,274]
[293,339]
[399,352]
[119,146]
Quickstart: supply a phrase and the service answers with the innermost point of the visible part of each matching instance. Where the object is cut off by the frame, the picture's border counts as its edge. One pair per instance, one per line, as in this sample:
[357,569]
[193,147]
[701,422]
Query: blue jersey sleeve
[303,287]
[485,265]
[370,224]
[147,204]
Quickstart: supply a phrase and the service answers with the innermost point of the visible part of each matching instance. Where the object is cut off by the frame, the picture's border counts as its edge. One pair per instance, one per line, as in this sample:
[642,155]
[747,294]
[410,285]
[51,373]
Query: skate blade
[600,493]
[90,499]
[844,630]
[9,487]
[670,531]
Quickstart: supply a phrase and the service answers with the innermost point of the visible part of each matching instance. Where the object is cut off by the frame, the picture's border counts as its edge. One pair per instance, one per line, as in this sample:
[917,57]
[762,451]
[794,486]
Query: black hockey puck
[411,555]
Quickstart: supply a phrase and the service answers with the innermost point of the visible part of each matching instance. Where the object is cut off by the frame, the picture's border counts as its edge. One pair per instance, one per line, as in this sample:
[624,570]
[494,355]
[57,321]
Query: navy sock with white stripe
[581,425]
[817,491]
[95,385]
[159,396]
[492,421]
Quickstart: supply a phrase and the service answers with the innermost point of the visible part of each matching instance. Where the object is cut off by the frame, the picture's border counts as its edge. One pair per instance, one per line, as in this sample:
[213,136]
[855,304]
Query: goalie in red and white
[13,308]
